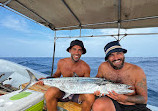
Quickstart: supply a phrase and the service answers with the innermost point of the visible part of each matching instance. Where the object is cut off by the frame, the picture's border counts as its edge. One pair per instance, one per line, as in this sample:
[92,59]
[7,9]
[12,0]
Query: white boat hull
[19,74]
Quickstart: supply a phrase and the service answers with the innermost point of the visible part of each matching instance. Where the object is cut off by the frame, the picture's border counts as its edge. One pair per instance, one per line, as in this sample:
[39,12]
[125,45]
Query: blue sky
[20,37]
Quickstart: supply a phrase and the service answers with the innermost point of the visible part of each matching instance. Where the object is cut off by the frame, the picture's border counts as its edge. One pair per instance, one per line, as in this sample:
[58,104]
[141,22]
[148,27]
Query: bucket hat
[77,42]
[113,46]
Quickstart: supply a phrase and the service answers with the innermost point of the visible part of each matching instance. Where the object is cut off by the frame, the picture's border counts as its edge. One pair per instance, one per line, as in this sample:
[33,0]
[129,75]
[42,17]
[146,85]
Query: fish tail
[33,80]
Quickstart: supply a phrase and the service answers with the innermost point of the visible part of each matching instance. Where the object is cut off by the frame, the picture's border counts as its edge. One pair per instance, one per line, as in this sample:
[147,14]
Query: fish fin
[33,80]
[66,95]
[75,75]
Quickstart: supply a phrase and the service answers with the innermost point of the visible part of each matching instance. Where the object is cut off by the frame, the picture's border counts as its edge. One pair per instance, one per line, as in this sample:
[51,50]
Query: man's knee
[103,104]
[90,98]
[52,92]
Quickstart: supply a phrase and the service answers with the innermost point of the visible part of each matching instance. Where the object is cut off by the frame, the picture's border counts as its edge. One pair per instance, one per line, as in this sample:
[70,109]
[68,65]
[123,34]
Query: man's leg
[87,101]
[51,97]
[103,104]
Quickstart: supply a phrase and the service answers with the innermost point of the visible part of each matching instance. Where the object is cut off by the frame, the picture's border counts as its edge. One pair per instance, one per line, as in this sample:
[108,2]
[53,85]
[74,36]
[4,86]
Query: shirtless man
[67,67]
[115,69]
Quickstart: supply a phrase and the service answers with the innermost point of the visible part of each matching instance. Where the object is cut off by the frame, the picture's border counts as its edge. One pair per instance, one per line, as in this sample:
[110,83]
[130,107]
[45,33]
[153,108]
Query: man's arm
[141,91]
[87,70]
[100,72]
[55,75]
[58,71]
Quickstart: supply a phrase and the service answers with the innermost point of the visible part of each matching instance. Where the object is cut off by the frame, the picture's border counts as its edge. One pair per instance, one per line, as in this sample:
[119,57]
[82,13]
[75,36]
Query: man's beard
[117,67]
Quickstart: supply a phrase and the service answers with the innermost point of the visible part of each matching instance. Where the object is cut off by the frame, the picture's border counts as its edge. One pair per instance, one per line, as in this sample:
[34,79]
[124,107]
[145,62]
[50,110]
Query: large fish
[81,85]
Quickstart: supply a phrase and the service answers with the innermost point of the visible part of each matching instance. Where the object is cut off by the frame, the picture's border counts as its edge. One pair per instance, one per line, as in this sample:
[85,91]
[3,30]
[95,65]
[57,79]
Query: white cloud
[14,23]
[15,47]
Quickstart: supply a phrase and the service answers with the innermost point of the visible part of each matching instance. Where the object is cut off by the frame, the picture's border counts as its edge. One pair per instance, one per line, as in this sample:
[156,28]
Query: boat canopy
[88,14]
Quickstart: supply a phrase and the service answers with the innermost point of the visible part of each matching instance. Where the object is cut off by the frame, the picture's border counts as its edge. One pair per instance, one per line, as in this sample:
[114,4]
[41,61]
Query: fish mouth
[128,86]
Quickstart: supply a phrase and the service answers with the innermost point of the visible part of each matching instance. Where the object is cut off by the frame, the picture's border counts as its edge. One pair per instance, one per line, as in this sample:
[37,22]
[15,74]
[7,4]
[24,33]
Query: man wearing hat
[115,69]
[67,67]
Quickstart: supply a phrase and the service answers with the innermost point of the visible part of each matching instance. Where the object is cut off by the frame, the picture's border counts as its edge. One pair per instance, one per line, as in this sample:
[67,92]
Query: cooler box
[28,100]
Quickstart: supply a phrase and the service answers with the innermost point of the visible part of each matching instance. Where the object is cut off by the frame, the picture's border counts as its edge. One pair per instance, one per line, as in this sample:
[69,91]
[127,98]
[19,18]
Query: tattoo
[138,99]
[141,92]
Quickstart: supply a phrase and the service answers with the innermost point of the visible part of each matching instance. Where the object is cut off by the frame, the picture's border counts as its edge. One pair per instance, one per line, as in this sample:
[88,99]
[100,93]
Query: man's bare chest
[125,78]
[70,71]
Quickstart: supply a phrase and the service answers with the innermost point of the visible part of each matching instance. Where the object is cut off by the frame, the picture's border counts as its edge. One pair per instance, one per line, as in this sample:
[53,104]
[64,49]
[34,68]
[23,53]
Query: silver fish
[81,85]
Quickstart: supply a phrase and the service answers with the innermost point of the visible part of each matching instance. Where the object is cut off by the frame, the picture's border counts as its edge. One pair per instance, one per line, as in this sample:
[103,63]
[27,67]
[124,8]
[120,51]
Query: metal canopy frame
[116,36]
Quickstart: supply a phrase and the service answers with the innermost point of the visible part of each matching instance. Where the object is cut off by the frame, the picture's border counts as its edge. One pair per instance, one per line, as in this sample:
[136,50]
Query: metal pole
[8,1]
[71,12]
[110,35]
[119,18]
[55,38]
[80,31]
[51,26]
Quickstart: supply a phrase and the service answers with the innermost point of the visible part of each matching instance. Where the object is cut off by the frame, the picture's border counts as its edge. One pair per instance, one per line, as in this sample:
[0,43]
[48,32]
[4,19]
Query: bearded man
[115,69]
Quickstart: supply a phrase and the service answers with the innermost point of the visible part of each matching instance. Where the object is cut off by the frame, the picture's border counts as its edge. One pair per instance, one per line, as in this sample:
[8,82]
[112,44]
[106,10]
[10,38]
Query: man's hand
[97,93]
[41,78]
[117,97]
[40,82]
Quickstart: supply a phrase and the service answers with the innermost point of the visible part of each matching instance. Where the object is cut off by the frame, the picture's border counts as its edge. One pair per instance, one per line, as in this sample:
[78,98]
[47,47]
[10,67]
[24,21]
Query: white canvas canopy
[88,14]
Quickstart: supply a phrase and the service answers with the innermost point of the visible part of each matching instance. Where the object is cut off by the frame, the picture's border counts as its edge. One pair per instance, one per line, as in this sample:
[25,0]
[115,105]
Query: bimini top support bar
[143,18]
[111,35]
[72,12]
[51,26]
[113,22]
[8,1]
[119,18]
[4,6]
[55,38]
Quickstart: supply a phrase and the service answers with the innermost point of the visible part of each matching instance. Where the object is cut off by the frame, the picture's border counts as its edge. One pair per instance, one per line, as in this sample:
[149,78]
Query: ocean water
[148,64]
